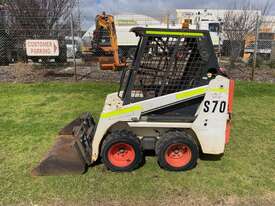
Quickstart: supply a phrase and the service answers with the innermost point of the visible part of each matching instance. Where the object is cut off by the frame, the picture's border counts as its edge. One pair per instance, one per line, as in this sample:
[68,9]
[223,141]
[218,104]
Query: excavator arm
[109,59]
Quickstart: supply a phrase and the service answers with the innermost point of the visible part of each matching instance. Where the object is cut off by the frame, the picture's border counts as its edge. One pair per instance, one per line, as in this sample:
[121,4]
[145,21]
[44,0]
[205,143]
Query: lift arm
[107,22]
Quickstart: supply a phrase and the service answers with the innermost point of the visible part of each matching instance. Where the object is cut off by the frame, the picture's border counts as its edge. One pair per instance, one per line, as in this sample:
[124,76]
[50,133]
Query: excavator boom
[105,43]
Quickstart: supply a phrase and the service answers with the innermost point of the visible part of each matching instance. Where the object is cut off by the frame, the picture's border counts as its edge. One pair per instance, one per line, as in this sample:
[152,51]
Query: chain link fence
[43,38]
[245,49]
[33,37]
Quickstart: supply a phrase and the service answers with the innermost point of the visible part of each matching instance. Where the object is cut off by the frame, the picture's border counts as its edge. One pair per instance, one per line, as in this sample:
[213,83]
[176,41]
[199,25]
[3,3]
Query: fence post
[255,48]
[78,18]
[219,48]
[73,41]
[167,19]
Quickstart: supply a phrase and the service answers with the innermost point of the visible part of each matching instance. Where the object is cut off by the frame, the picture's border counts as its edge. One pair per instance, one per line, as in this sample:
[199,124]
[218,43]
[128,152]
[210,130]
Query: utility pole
[73,41]
[255,48]
[78,18]
[168,18]
[220,41]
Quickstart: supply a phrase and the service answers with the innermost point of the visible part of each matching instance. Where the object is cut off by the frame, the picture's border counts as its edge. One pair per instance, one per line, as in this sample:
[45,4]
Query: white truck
[127,41]
[73,47]
[209,22]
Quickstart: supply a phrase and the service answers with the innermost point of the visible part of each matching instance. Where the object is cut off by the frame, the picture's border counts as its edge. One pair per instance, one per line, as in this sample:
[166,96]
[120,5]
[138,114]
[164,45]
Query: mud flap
[71,153]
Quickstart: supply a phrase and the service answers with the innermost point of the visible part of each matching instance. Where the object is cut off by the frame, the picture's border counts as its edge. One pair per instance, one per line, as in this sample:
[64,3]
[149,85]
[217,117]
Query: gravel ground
[30,73]
[243,72]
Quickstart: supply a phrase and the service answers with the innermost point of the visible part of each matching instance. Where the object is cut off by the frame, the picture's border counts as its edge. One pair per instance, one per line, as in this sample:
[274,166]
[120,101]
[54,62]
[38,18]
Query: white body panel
[209,126]
[159,125]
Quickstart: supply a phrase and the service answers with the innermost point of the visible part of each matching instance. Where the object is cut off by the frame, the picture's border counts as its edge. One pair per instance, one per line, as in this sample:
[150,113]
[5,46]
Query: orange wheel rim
[178,155]
[121,154]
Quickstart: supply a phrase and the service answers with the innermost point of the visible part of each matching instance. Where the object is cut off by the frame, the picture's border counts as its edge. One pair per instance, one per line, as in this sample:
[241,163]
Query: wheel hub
[121,154]
[178,155]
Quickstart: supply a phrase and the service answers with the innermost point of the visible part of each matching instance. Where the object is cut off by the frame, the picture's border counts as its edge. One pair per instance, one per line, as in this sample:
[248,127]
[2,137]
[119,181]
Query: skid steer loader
[174,99]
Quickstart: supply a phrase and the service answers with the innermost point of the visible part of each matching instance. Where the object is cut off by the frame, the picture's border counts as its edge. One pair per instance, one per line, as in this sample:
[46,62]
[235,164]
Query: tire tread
[121,135]
[172,137]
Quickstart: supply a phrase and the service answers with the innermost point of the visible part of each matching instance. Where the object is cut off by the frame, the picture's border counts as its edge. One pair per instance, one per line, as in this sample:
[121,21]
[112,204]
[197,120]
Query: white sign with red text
[40,47]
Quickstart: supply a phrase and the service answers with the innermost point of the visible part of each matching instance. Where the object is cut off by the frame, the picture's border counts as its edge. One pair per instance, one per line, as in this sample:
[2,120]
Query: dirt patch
[30,73]
[242,71]
[181,199]
[266,75]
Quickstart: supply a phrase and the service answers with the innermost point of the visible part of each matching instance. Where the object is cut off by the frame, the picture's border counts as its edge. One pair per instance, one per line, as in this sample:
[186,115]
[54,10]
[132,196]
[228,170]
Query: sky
[154,8]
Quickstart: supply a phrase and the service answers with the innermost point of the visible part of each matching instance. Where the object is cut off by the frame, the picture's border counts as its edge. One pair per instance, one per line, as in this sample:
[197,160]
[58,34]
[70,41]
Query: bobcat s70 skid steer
[174,99]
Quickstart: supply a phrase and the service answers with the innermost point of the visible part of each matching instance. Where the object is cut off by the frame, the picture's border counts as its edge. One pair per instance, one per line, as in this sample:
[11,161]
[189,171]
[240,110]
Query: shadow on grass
[151,153]
[208,157]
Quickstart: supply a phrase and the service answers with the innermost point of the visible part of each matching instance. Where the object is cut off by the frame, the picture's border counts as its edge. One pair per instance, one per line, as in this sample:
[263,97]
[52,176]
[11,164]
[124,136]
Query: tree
[241,21]
[38,17]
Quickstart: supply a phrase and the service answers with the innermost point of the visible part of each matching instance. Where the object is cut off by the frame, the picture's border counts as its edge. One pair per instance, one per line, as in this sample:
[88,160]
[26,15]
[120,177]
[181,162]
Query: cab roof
[142,31]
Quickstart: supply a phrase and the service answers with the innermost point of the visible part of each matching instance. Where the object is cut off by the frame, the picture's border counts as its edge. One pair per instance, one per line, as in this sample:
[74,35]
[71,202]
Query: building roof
[129,20]
[134,20]
[216,13]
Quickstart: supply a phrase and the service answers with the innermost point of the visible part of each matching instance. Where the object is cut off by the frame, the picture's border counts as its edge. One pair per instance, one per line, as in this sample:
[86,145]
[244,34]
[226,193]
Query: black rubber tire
[35,60]
[122,136]
[176,137]
[78,55]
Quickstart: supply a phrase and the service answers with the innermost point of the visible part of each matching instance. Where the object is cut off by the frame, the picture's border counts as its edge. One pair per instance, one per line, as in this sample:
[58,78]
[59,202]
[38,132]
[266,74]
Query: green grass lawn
[32,114]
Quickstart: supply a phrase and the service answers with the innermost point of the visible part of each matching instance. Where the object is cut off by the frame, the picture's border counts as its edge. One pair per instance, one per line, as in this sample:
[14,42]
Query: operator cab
[168,61]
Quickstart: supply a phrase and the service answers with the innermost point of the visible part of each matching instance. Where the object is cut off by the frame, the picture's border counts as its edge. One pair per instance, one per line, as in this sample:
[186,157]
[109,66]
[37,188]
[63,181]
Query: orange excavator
[105,45]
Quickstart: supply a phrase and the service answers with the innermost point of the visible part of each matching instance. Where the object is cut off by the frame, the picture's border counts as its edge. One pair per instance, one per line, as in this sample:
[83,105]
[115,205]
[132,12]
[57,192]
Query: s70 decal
[213,106]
